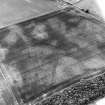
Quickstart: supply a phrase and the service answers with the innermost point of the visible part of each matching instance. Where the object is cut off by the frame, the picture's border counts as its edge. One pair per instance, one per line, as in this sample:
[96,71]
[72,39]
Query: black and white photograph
[52,52]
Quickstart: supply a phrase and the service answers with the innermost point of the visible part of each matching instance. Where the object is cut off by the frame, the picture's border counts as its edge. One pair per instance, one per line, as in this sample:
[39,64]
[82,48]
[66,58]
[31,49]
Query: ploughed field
[51,51]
